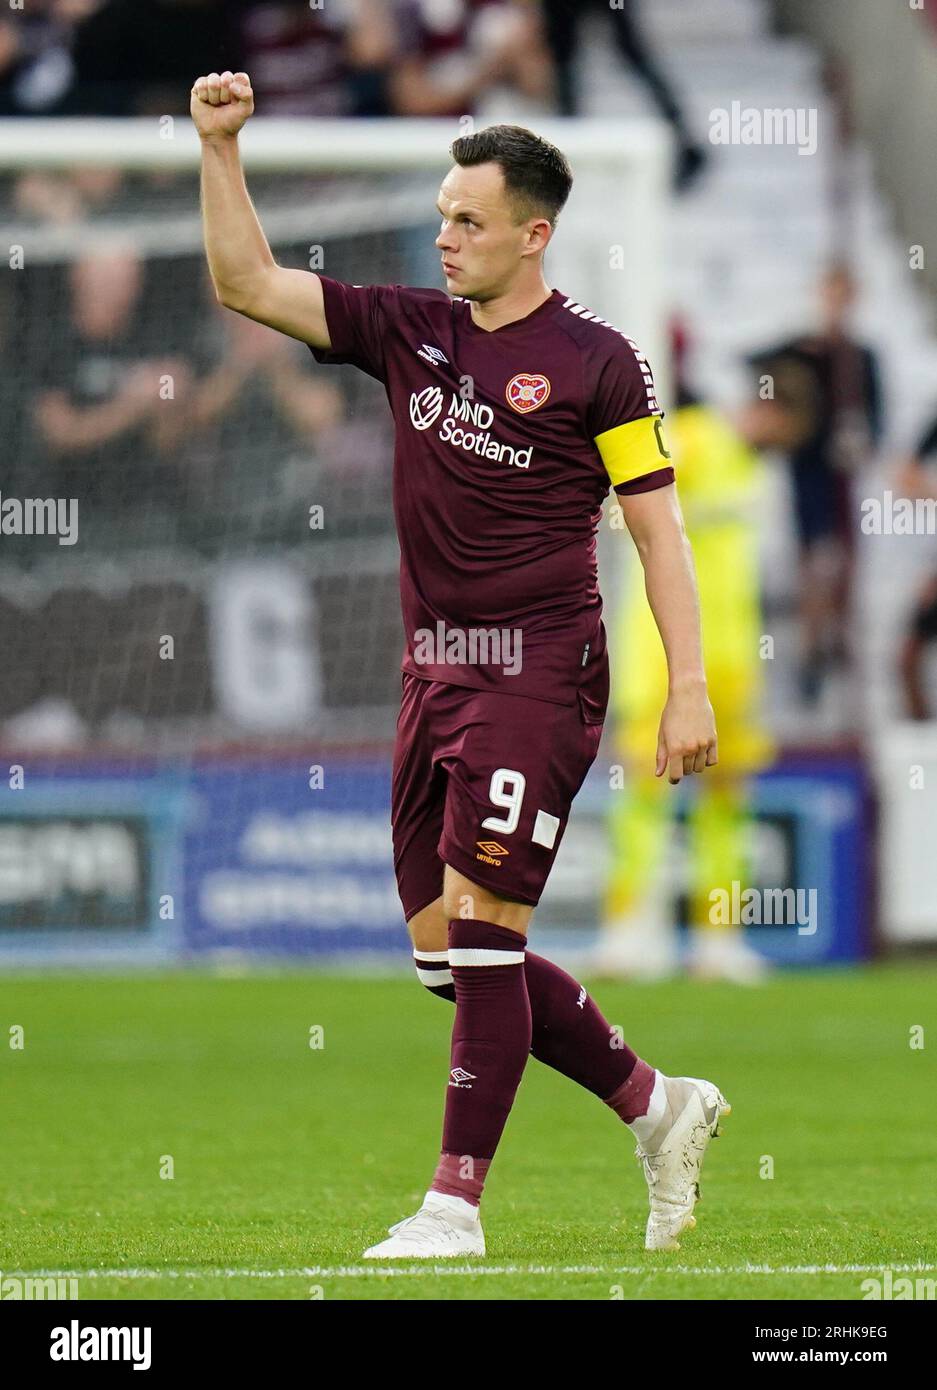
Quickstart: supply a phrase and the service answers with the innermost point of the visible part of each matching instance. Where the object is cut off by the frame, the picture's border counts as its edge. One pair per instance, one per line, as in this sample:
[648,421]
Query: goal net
[198,567]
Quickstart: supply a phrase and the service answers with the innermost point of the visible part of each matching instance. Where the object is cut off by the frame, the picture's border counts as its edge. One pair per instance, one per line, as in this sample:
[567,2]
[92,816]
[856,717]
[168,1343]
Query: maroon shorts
[484,782]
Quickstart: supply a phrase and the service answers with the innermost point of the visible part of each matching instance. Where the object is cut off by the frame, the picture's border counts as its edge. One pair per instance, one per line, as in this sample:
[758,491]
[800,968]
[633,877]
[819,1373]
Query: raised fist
[221,103]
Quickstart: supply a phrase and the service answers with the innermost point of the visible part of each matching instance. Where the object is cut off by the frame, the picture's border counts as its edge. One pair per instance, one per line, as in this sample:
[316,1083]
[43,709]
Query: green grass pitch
[289,1159]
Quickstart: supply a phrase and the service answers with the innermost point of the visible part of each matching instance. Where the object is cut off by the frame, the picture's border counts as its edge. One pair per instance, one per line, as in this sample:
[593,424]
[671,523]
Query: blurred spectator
[325,61]
[36,67]
[561,21]
[231,466]
[918,479]
[61,198]
[834,381]
[267,437]
[108,429]
[450,53]
[140,57]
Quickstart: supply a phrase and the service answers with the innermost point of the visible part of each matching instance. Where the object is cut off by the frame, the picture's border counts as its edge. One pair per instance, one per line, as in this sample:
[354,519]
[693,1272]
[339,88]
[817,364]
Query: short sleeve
[357,317]
[625,422]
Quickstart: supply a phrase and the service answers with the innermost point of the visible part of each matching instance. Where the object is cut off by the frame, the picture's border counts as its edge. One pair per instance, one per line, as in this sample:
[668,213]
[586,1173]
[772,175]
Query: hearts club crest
[527,391]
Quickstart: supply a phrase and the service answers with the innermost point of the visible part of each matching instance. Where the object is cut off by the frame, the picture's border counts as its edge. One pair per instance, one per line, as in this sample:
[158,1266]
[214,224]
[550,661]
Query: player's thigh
[418,789]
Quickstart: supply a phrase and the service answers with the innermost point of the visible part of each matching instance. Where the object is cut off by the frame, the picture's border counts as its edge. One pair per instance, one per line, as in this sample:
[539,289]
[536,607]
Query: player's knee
[429,932]
[429,928]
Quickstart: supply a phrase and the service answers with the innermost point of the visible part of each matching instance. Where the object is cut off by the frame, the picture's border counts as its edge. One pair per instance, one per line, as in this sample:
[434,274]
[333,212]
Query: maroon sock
[633,1096]
[569,1032]
[490,1046]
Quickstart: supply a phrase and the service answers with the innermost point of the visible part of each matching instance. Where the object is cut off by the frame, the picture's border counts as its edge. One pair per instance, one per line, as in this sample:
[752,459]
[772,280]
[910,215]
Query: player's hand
[686,742]
[221,103]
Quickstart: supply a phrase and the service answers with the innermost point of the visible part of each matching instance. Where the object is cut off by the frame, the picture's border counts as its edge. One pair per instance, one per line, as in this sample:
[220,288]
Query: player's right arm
[244,273]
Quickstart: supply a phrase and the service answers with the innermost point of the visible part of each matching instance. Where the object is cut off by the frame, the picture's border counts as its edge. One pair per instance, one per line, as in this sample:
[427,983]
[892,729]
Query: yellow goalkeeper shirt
[718,481]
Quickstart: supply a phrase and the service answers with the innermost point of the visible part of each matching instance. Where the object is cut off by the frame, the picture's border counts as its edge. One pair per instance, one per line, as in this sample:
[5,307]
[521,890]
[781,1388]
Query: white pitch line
[410,1271]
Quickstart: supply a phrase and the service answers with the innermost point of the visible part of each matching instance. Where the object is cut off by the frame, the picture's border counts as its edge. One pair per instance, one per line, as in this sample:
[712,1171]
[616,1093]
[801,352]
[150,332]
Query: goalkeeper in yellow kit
[718,473]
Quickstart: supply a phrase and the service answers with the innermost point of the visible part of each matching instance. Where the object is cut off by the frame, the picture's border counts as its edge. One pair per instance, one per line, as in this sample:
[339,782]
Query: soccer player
[515,408]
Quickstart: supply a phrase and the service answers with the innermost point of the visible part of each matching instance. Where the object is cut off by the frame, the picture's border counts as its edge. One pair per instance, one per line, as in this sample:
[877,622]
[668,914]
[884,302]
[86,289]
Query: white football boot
[672,1156]
[443,1228]
[725,955]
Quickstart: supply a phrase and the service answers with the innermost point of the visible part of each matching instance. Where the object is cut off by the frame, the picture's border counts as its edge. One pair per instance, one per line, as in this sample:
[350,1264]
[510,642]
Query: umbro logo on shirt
[433,354]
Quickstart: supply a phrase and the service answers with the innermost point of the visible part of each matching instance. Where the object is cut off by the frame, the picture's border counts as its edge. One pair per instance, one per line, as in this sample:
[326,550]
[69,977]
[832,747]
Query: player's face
[481,246]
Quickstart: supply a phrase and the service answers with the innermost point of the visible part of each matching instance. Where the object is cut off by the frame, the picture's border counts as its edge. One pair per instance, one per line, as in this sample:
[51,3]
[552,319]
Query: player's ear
[539,233]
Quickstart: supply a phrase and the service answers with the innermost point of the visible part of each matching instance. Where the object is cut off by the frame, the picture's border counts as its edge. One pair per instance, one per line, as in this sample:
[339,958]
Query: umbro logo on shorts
[492,852]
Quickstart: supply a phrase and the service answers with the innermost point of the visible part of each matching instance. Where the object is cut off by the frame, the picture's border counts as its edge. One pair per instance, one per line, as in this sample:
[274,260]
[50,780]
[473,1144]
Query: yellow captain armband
[633,449]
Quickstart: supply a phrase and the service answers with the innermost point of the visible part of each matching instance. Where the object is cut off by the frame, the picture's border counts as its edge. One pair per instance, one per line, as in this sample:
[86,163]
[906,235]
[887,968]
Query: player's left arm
[626,425]
[686,741]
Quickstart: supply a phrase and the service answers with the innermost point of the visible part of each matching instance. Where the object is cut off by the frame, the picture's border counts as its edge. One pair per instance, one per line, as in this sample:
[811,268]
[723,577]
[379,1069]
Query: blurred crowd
[317,57]
[124,384]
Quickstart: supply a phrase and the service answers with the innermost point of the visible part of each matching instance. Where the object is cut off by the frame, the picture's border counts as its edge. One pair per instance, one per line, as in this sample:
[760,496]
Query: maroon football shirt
[498,479]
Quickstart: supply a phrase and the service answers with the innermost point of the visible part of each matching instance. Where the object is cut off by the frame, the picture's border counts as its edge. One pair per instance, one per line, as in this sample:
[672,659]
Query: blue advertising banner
[274,858]
[90,866]
[285,860]
[824,810]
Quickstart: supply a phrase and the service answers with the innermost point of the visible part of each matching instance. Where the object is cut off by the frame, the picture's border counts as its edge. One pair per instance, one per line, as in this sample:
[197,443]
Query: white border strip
[417,1270]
